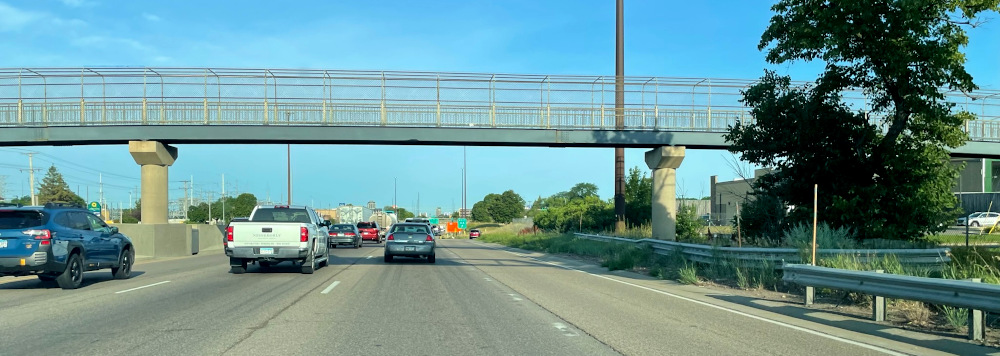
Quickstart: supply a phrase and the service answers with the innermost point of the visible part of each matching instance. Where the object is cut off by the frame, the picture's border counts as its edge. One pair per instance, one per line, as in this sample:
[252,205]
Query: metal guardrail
[778,257]
[40,97]
[977,297]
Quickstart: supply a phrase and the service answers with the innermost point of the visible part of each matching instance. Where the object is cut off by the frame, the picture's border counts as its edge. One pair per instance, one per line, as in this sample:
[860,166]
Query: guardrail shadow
[931,339]
[89,278]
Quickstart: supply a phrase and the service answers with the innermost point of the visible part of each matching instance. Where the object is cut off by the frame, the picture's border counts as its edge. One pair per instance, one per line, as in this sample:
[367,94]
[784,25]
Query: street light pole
[620,115]
[288,150]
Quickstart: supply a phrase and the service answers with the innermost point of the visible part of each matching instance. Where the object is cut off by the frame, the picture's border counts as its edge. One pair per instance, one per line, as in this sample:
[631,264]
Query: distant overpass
[82,106]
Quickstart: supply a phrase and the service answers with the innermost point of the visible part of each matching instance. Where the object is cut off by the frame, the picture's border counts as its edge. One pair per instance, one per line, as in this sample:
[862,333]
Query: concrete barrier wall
[210,237]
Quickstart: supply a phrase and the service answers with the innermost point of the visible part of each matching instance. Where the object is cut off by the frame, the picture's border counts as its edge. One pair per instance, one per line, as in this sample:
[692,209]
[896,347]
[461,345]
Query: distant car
[58,243]
[410,240]
[984,219]
[345,234]
[370,231]
[963,219]
[474,233]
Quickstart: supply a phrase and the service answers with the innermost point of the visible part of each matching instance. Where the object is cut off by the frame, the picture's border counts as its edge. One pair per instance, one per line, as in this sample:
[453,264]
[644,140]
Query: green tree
[688,225]
[505,207]
[403,214]
[882,172]
[638,197]
[198,213]
[454,215]
[480,213]
[242,206]
[55,189]
[25,200]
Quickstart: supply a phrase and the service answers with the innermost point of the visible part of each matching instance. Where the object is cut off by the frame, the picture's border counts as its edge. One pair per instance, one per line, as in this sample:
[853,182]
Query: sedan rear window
[341,228]
[415,229]
[366,225]
[21,219]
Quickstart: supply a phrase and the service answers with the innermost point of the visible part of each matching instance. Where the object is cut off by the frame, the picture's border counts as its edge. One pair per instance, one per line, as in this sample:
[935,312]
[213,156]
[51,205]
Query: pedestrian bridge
[72,106]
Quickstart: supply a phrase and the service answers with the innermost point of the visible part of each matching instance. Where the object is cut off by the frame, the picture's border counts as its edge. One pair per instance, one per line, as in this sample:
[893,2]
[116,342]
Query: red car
[370,231]
[474,233]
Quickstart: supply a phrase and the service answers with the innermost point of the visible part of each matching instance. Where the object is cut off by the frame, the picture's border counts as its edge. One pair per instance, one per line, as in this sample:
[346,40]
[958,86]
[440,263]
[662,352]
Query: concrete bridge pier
[155,158]
[664,161]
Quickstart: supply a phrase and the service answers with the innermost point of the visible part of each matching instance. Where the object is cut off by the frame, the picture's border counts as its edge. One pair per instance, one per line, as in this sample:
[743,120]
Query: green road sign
[461,223]
[94,206]
[434,221]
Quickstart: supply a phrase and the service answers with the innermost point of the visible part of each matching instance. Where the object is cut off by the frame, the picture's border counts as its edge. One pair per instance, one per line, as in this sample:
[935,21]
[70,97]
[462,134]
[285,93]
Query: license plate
[409,248]
[340,235]
[267,250]
[3,243]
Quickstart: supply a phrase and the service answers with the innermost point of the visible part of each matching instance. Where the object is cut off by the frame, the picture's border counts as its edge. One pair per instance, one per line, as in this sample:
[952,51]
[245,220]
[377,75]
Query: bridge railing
[157,96]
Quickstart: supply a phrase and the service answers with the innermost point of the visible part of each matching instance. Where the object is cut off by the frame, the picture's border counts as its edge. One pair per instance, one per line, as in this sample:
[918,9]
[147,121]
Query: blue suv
[58,242]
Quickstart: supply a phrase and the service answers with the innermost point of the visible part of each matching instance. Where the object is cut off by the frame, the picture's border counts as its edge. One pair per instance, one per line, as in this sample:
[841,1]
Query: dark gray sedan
[411,240]
[344,234]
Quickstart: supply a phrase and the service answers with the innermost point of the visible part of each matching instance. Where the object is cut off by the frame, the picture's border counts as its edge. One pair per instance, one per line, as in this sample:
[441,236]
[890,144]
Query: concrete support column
[155,158]
[664,161]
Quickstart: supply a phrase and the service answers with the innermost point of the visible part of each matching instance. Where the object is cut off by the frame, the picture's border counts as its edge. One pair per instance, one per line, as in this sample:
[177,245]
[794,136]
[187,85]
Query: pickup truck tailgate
[255,234]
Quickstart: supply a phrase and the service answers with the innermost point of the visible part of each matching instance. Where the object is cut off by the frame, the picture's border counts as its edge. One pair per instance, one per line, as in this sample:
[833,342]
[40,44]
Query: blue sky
[674,39]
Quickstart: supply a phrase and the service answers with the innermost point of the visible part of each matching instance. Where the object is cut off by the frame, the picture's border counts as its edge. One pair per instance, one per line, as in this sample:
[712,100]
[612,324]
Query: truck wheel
[238,266]
[309,267]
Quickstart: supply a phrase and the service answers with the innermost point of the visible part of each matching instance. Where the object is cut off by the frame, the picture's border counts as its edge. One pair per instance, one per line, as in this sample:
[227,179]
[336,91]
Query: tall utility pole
[418,204]
[223,197]
[100,180]
[620,115]
[186,200]
[394,192]
[289,152]
[31,170]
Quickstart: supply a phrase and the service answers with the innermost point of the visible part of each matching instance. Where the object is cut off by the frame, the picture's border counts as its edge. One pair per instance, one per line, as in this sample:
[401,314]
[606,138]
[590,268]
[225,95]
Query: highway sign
[434,221]
[94,206]
[461,223]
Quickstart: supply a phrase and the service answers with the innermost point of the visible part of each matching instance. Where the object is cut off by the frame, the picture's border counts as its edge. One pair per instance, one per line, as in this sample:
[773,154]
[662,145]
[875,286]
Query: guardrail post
[143,111]
[977,323]
[324,111]
[878,305]
[20,112]
[83,112]
[810,295]
[265,111]
[205,105]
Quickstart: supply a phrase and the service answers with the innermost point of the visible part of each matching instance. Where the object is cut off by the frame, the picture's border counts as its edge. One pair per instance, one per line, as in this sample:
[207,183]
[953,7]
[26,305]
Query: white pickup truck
[278,233]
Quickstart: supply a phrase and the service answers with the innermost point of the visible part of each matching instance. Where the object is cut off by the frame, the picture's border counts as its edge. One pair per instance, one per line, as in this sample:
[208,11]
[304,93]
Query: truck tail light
[229,234]
[303,234]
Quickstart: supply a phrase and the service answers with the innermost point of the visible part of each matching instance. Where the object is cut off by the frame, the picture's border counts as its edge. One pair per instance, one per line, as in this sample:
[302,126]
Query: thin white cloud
[150,17]
[78,3]
[13,19]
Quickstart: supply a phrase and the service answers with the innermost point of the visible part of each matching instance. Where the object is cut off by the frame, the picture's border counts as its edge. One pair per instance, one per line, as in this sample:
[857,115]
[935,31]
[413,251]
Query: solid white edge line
[330,288]
[775,322]
[145,286]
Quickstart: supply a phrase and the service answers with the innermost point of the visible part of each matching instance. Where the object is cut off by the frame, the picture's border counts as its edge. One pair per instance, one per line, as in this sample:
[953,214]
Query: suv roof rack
[63,205]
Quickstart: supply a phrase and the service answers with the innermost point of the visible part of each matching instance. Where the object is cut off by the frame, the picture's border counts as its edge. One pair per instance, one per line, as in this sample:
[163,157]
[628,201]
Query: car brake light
[303,234]
[390,237]
[42,234]
[281,206]
[229,233]
[349,234]
[430,238]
